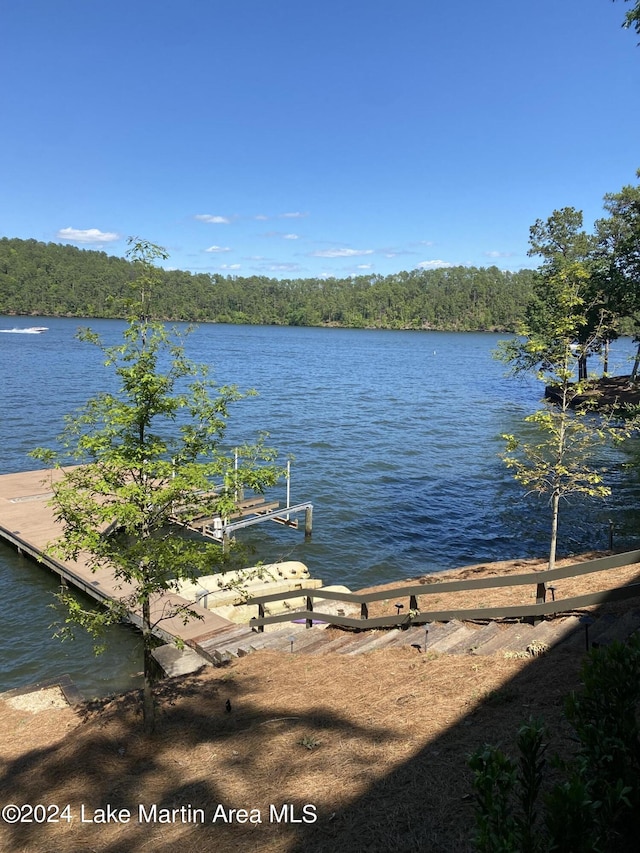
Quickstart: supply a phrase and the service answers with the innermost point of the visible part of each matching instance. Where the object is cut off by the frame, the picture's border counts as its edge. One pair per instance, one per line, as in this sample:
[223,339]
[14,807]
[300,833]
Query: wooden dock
[27,522]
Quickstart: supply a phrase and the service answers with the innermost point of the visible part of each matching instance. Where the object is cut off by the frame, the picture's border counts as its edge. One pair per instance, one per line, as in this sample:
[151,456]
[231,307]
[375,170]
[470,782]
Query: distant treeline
[52,279]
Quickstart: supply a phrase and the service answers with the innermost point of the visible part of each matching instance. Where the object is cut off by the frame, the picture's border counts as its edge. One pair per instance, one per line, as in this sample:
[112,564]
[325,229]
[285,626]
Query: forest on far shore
[59,280]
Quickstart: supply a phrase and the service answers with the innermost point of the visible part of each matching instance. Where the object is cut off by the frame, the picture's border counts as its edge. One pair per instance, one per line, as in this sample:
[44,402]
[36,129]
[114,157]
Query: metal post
[610,535]
[235,476]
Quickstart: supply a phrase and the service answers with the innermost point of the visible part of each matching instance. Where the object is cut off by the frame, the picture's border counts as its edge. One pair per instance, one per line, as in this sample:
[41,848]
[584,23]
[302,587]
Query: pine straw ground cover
[377,744]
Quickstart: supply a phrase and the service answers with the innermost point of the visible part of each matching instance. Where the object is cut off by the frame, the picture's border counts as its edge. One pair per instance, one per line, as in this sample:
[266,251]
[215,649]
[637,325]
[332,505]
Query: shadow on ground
[318,731]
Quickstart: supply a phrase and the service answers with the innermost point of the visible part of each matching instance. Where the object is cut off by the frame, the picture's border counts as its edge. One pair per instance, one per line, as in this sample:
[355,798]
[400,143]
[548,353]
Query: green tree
[632,17]
[618,256]
[556,459]
[561,242]
[149,450]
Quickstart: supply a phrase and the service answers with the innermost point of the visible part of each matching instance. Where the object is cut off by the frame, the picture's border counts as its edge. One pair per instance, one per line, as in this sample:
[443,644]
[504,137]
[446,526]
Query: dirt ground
[318,753]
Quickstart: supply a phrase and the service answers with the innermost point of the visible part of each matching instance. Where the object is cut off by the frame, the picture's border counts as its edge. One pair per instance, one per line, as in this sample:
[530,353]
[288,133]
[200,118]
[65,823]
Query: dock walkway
[27,522]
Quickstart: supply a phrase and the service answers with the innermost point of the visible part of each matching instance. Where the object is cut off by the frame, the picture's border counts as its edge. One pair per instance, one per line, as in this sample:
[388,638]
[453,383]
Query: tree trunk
[636,364]
[555,508]
[582,368]
[148,704]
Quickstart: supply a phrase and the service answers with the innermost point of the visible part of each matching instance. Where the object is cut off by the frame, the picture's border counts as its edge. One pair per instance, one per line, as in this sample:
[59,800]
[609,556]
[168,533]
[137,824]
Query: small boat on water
[30,330]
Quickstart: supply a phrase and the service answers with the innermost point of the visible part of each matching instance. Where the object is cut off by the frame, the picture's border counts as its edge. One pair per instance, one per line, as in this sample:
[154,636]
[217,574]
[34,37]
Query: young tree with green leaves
[556,459]
[153,448]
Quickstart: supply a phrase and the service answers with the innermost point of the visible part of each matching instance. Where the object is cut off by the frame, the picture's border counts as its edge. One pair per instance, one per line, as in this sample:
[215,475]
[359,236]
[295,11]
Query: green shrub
[596,807]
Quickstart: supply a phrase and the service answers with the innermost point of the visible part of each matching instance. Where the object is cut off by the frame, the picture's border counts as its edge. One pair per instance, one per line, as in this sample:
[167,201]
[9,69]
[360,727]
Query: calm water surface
[395,439]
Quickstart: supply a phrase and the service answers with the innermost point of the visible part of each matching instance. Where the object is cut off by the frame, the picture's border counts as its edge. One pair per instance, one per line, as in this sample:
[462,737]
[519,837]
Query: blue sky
[308,138]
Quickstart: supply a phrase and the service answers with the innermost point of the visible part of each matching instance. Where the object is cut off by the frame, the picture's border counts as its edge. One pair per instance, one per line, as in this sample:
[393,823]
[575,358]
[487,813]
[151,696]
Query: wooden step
[413,636]
[601,624]
[215,648]
[383,639]
[513,638]
[492,631]
[457,633]
[329,643]
[621,628]
[469,642]
[554,631]
[307,637]
[438,634]
[362,639]
[278,640]
[228,632]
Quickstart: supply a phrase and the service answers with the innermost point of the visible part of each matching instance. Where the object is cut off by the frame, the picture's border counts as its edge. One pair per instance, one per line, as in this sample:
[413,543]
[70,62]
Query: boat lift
[250,511]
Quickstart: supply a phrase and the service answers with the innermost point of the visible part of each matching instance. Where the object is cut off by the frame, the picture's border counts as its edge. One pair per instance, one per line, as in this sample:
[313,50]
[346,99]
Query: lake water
[395,439]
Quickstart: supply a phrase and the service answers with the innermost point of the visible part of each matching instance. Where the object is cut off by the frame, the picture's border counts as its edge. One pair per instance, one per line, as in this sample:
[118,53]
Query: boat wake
[31,330]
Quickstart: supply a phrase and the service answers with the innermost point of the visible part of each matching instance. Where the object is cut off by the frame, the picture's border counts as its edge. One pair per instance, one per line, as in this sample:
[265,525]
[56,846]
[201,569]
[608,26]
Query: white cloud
[294,215]
[218,249]
[230,266]
[432,265]
[394,251]
[216,220]
[89,235]
[283,268]
[498,254]
[262,217]
[341,253]
[364,267]
[281,235]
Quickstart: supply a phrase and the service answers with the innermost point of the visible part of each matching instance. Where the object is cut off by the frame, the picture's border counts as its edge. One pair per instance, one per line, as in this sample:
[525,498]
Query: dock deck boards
[27,522]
